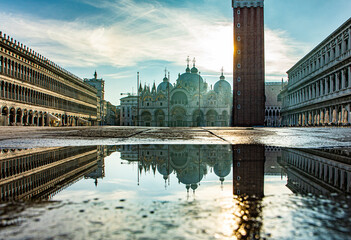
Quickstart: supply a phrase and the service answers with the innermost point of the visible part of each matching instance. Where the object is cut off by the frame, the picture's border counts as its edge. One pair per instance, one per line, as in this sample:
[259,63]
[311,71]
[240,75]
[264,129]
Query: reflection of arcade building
[189,162]
[41,173]
[321,171]
[187,103]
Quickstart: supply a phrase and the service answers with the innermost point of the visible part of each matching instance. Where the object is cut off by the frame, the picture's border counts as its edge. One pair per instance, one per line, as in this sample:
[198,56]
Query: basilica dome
[222,85]
[190,80]
[190,175]
[165,85]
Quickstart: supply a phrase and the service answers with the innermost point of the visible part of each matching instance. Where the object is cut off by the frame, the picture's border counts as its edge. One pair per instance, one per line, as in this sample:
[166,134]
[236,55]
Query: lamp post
[137,115]
[199,102]
[168,100]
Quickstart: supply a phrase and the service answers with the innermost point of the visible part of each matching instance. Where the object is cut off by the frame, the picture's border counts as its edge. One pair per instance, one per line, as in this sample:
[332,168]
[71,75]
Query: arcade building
[35,91]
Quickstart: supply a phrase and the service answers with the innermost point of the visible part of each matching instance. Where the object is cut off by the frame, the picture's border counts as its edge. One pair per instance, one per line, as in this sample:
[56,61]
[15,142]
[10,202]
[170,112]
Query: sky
[119,38]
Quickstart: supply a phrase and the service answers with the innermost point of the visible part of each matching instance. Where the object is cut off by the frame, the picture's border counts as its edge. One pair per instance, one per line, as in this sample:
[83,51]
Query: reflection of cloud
[132,32]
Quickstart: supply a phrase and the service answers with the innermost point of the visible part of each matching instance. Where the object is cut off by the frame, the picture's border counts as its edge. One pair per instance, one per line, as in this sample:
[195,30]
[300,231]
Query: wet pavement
[81,136]
[177,191]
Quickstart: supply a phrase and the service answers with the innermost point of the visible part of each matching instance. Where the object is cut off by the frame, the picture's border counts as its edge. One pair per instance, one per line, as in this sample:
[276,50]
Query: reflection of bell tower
[248,69]
[248,170]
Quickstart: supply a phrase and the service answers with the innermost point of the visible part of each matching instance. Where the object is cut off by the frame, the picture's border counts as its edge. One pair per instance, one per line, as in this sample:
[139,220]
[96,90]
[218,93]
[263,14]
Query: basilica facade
[187,103]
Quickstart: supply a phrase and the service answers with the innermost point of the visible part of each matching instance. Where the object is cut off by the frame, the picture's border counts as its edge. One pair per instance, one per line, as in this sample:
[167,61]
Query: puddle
[175,192]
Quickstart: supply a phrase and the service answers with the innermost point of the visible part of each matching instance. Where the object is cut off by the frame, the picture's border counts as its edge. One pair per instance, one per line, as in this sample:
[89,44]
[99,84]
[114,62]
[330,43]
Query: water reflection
[40,173]
[239,190]
[190,163]
[320,172]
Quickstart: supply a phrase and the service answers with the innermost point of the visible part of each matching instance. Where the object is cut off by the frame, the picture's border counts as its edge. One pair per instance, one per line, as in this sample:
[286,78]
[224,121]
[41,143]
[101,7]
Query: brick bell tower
[248,69]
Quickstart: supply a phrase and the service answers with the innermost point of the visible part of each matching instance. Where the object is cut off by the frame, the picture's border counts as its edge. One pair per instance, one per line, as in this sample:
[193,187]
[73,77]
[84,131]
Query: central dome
[190,80]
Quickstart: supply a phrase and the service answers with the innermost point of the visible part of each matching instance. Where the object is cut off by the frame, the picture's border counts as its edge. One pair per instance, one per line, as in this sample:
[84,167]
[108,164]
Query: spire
[165,79]
[95,75]
[187,70]
[169,77]
[222,74]
[154,88]
[194,69]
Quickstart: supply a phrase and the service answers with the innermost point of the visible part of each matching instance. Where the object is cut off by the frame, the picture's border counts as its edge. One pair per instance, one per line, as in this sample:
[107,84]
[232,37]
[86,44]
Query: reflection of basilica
[318,171]
[41,173]
[190,163]
[187,103]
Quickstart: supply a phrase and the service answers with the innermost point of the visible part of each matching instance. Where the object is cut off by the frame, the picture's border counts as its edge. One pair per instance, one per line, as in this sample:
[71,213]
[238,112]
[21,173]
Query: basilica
[187,103]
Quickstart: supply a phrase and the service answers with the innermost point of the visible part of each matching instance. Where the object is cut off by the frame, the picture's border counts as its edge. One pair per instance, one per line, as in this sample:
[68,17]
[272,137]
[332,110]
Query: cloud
[132,32]
[281,53]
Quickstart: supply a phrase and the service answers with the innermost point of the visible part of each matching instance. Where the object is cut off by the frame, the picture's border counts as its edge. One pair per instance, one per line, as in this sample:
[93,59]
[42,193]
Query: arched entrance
[45,119]
[25,117]
[198,118]
[40,119]
[160,118]
[4,116]
[12,120]
[178,117]
[30,118]
[211,118]
[146,118]
[225,117]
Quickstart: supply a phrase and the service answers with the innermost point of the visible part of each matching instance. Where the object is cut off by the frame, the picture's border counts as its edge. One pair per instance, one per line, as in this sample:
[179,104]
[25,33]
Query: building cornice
[344,27]
[25,52]
[248,4]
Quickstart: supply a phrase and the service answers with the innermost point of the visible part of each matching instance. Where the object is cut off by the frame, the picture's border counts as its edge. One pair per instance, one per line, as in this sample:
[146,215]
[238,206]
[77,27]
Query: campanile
[248,69]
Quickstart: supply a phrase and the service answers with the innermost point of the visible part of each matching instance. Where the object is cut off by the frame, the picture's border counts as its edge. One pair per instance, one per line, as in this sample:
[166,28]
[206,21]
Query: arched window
[179,98]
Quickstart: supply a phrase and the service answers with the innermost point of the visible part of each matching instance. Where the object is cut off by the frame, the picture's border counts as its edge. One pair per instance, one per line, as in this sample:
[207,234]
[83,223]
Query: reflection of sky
[121,181]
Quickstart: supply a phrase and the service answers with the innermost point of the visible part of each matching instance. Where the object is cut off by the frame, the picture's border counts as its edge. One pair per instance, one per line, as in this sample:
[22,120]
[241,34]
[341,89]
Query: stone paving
[113,135]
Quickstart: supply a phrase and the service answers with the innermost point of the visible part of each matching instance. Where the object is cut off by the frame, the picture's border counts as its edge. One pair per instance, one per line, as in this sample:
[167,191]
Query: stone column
[2,64]
[310,89]
[326,90]
[342,178]
[343,84]
[304,94]
[336,79]
[349,77]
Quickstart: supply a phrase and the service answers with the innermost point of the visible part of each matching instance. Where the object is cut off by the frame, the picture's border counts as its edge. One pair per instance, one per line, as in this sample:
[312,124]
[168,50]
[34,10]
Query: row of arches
[10,166]
[272,117]
[42,183]
[26,95]
[328,171]
[14,69]
[179,118]
[338,115]
[11,116]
